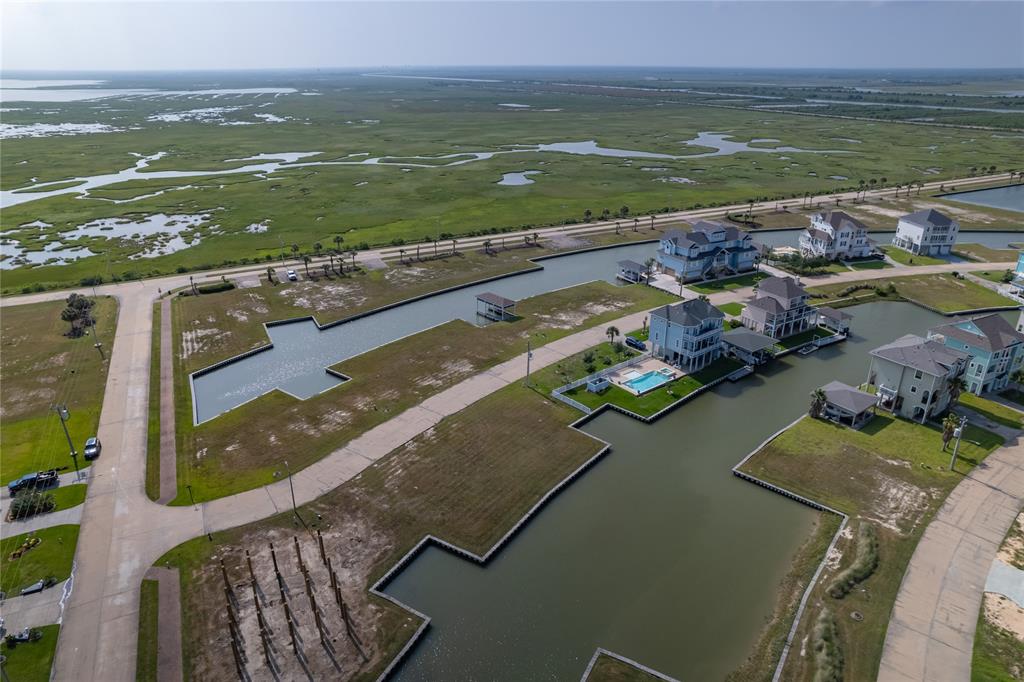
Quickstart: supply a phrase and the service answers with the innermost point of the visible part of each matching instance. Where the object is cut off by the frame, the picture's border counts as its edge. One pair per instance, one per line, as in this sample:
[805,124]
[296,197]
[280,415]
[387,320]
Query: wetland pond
[657,553]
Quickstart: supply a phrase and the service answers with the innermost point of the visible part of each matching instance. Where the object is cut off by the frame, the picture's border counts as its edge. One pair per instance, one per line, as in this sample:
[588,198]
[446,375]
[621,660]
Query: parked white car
[292,276]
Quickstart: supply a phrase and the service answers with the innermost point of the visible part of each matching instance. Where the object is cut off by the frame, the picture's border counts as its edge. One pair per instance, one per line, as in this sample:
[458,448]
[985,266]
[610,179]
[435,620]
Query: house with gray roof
[926,233]
[915,377]
[780,309]
[995,346]
[835,235]
[709,251]
[847,405]
[687,335]
[748,347]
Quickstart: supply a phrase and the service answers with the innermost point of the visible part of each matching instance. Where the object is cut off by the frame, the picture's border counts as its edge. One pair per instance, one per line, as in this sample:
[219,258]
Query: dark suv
[92,448]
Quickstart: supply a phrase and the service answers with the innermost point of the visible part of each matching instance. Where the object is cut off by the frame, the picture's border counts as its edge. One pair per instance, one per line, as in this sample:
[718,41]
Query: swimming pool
[649,381]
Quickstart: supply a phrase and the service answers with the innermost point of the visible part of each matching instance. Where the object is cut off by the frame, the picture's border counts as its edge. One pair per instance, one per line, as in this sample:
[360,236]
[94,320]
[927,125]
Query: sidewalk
[11,528]
[931,631]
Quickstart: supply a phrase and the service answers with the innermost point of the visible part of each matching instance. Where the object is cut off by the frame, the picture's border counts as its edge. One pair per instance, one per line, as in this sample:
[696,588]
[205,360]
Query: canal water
[297,363]
[1010,198]
[658,552]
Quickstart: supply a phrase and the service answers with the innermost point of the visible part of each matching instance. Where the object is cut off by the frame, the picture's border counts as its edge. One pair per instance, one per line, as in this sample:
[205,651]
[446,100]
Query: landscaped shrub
[828,655]
[31,503]
[864,563]
[215,287]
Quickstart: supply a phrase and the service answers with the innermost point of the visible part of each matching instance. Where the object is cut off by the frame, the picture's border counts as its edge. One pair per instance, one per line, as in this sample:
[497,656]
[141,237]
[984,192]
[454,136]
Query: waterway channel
[657,553]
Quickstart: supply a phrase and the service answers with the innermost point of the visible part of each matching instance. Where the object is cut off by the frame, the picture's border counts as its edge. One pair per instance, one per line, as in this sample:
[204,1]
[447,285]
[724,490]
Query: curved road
[123,532]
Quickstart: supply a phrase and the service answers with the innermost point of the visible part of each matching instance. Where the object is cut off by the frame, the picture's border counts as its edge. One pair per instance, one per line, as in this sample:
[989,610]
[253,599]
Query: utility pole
[62,412]
[529,356]
[958,432]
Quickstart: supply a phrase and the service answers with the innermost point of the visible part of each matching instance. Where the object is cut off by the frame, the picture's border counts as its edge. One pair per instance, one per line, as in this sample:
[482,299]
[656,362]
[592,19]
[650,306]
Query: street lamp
[62,412]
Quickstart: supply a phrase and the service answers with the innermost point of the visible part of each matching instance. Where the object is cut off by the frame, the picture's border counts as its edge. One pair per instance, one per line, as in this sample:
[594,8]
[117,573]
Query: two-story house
[995,347]
[913,376]
[687,334]
[836,236]
[926,232]
[709,251]
[780,309]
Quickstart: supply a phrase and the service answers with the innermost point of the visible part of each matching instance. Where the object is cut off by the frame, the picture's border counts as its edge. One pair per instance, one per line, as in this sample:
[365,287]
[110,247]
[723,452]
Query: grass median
[40,368]
[892,473]
[229,454]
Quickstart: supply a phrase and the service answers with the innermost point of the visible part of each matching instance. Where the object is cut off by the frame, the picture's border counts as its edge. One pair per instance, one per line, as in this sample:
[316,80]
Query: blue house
[995,348]
[687,334]
[1017,284]
[709,251]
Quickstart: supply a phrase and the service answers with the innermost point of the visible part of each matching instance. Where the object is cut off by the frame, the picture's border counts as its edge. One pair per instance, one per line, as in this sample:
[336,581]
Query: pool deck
[624,375]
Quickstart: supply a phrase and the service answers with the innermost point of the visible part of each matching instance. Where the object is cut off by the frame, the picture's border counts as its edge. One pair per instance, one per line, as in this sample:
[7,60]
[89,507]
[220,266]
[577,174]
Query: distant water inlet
[1009,198]
[301,353]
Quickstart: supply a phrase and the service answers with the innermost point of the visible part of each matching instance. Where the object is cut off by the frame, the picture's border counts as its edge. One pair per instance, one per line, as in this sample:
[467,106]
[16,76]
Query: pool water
[648,381]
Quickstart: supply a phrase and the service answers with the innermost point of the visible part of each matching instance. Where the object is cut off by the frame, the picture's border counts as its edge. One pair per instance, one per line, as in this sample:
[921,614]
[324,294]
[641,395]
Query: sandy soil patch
[198,340]
[899,505]
[323,296]
[835,555]
[567,241]
[1005,613]
[571,319]
[1012,550]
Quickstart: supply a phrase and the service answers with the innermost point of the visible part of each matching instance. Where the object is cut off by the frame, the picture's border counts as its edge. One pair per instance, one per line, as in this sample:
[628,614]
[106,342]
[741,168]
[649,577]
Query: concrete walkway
[39,521]
[65,479]
[931,631]
[168,442]
[34,610]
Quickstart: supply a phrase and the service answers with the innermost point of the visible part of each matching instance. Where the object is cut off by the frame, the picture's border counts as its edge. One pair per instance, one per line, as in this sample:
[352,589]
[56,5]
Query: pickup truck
[40,479]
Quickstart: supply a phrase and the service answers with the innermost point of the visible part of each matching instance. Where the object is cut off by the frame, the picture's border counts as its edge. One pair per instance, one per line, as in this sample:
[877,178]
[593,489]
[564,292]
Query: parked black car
[34,481]
[635,343]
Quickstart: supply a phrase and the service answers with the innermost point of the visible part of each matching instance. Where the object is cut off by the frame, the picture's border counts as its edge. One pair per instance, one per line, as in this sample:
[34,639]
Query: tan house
[780,309]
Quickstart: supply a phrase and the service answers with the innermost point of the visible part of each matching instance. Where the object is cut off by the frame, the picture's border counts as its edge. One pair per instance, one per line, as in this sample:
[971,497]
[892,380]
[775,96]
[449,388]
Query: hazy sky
[229,35]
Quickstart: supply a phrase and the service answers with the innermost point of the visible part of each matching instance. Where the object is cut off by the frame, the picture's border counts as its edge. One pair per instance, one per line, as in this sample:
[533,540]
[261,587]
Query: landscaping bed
[891,474]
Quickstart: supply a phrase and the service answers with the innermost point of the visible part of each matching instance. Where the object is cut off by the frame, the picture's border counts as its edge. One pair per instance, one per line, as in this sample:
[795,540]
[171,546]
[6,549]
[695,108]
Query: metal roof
[748,340]
[847,397]
[495,300]
[993,333]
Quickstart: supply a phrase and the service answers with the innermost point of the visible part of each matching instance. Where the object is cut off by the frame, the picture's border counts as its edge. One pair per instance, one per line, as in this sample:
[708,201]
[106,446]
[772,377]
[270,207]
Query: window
[917,374]
[913,389]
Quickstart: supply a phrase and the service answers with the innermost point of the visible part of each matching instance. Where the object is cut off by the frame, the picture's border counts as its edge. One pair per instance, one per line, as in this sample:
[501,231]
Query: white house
[780,309]
[836,236]
[913,376]
[926,233]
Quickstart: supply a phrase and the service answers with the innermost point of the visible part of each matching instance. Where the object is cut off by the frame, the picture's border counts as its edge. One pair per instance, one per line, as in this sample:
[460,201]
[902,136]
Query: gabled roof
[847,397]
[784,287]
[699,235]
[834,314]
[928,217]
[840,219]
[632,265]
[920,353]
[818,234]
[688,313]
[732,232]
[748,340]
[988,332]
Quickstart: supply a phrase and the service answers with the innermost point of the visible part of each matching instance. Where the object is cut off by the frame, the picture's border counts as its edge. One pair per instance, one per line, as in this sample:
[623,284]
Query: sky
[142,35]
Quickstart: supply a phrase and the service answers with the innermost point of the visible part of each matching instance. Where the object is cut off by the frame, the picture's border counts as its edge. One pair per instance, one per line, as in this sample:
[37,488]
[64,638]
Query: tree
[956,387]
[317,248]
[636,224]
[949,425]
[31,503]
[611,333]
[617,227]
[270,274]
[1017,377]
[453,246]
[588,215]
[487,246]
[78,314]
[624,211]
[818,400]
[649,263]
[681,280]
[326,269]
[401,255]
[338,239]
[305,263]
[295,249]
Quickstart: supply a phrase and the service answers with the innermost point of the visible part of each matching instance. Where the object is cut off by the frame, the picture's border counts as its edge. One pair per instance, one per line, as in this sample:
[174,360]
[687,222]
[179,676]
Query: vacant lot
[986,254]
[891,474]
[41,367]
[466,481]
[241,449]
[943,292]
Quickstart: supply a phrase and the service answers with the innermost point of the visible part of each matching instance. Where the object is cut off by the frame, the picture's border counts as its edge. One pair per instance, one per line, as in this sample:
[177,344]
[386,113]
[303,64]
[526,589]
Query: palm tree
[617,227]
[317,248]
[338,239]
[652,222]
[956,387]
[353,252]
[949,426]
[401,256]
[818,401]
[453,246]
[331,256]
[588,215]
[270,274]
[295,249]
[305,262]
[487,246]
[435,248]
[327,270]
[611,333]
[681,280]
[650,266]
[636,224]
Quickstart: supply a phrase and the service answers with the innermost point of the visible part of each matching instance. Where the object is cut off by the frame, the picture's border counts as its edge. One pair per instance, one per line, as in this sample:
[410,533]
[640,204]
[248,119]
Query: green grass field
[985,254]
[905,258]
[68,496]
[402,119]
[893,472]
[993,411]
[51,557]
[728,284]
[149,610]
[31,662]
[942,292]
[41,367]
[731,308]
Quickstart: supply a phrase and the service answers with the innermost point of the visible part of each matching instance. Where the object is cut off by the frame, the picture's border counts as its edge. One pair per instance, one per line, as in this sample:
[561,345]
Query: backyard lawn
[996,276]
[68,496]
[32,661]
[713,287]
[226,455]
[803,337]
[893,474]
[42,367]
[942,292]
[50,558]
[985,254]
[733,308]
[993,411]
[869,264]
[906,258]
